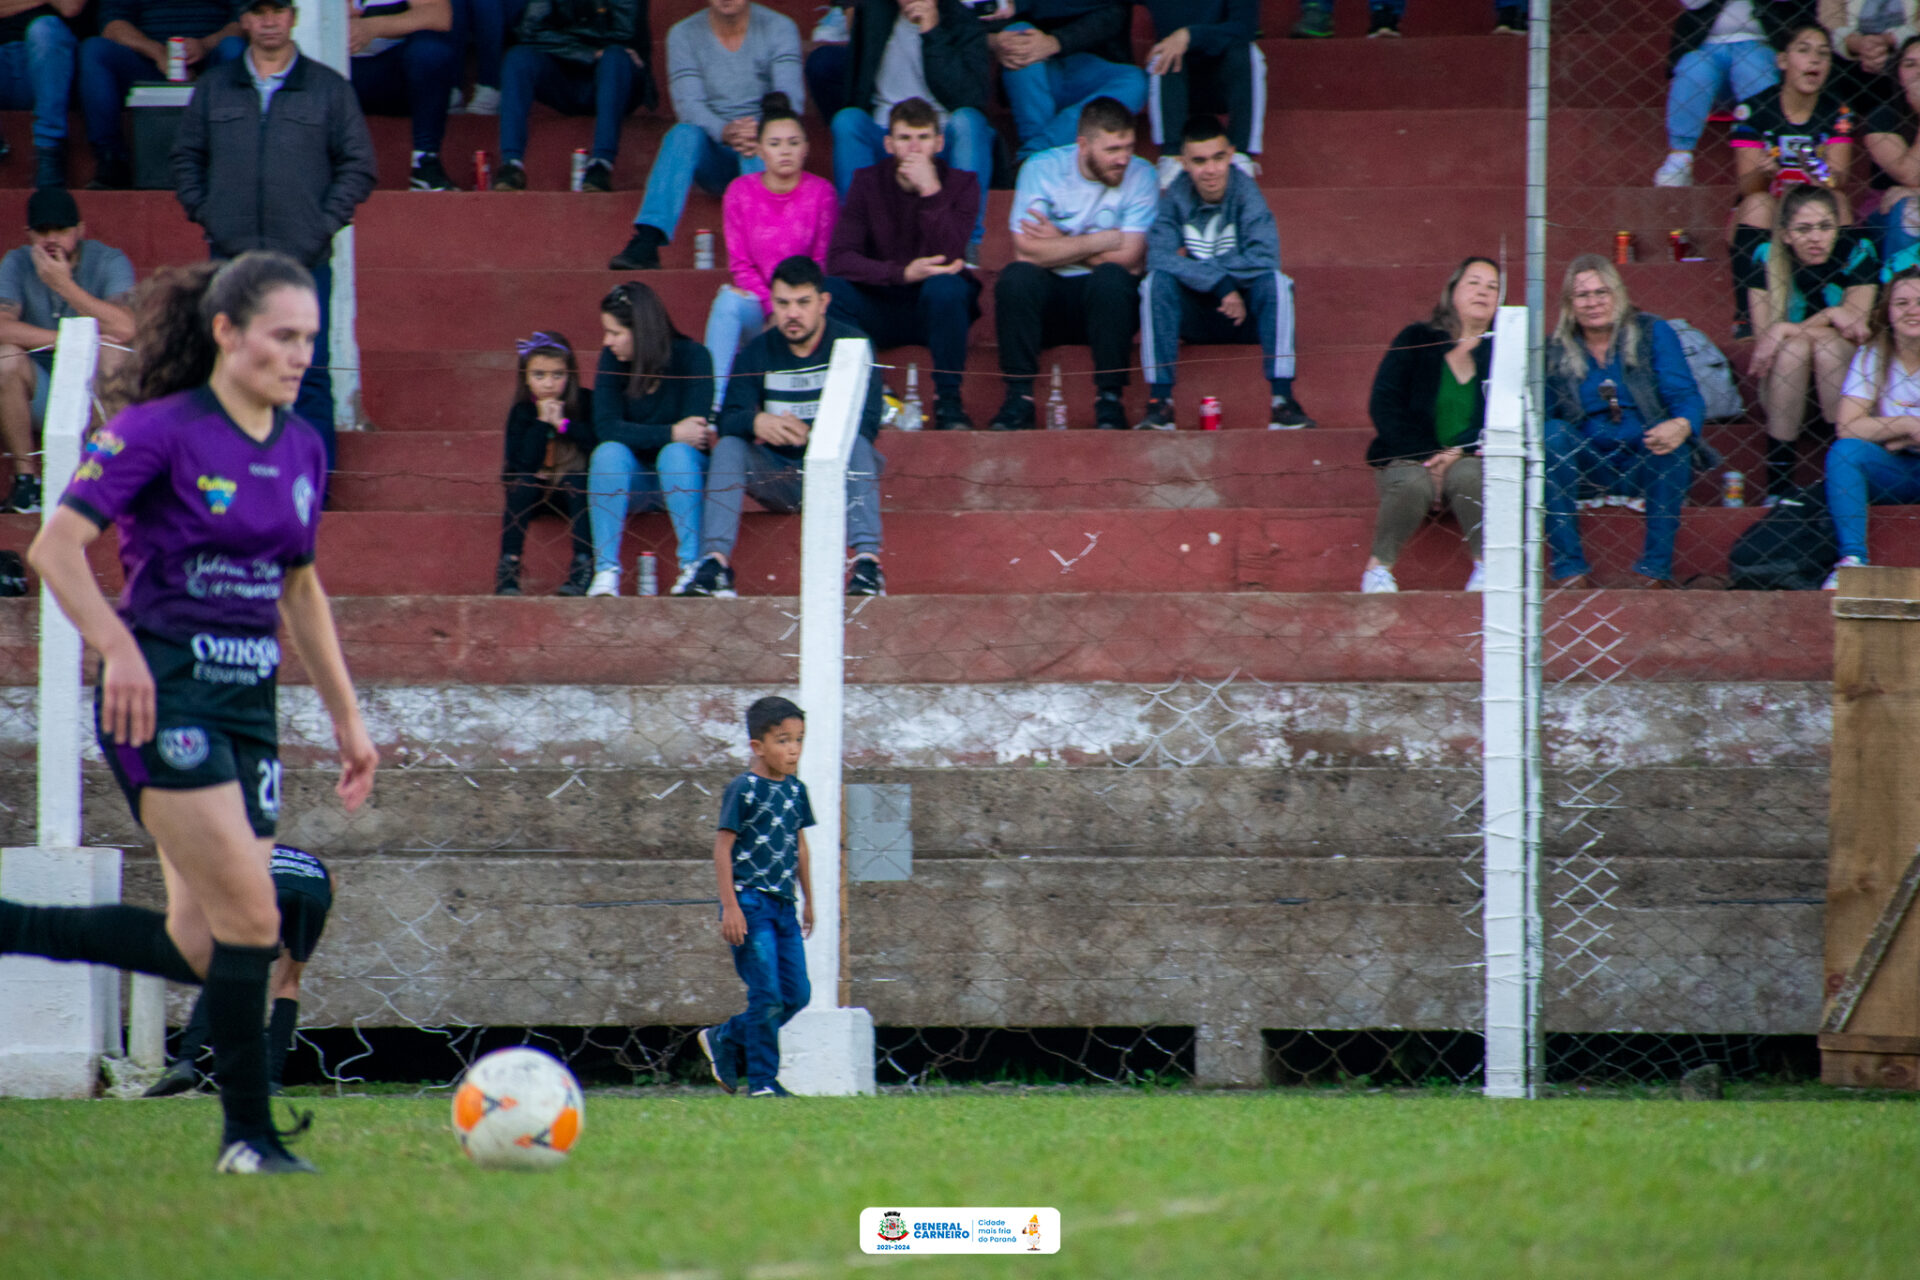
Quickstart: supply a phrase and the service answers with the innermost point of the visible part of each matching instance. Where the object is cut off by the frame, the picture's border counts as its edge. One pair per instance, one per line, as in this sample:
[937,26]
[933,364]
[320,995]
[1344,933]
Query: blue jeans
[609,88]
[773,964]
[619,483]
[1859,472]
[36,74]
[1616,466]
[1046,97]
[969,146]
[108,69]
[687,155]
[315,402]
[1715,73]
[735,319]
[488,21]
[414,78]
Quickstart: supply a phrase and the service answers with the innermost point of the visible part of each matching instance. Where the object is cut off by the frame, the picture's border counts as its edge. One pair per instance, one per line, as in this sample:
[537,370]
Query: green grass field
[1149,1183]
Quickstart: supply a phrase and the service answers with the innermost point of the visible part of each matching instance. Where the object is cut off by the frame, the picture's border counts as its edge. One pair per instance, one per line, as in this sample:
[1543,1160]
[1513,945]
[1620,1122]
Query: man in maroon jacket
[898,257]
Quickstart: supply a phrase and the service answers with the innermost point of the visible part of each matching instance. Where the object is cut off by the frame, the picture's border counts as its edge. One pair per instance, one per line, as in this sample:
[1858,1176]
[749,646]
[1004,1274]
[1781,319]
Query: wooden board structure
[1871,1035]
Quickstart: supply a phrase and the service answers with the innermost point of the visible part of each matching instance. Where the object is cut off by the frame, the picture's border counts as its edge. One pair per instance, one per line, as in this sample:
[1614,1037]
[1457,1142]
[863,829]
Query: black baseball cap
[52,209]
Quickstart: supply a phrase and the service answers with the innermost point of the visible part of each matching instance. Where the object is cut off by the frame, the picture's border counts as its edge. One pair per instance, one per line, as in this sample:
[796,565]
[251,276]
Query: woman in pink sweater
[768,216]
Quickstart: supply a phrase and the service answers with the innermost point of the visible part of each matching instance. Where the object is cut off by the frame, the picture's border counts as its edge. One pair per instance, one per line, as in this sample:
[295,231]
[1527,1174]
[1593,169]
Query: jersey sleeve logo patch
[218,491]
[104,441]
[303,500]
[183,749]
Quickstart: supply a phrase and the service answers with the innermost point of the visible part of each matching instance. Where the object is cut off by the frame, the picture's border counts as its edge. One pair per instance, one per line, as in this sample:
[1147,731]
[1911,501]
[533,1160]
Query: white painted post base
[57,1018]
[147,1022]
[827,1053]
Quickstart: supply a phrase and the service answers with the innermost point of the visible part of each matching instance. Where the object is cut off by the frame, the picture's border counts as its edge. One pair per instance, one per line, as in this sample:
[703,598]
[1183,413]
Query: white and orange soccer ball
[517,1109]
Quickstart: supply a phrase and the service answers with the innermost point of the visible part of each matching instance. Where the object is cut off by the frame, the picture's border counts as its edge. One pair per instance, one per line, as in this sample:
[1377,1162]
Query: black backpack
[1791,548]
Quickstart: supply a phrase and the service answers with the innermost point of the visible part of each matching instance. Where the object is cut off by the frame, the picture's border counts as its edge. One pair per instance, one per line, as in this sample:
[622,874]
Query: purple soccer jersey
[210,519]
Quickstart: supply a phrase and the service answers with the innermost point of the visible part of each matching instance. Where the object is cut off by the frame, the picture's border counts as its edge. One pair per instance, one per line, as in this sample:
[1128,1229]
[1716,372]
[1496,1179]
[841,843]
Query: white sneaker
[1378,581]
[1675,171]
[832,29]
[1477,580]
[484,102]
[1844,562]
[1168,168]
[606,582]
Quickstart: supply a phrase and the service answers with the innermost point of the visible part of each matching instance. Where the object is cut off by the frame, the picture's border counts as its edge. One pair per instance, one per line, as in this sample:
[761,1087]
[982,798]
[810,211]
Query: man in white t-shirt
[1080,219]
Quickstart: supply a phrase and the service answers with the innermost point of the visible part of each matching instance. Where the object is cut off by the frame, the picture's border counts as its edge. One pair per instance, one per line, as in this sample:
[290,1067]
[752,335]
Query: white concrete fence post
[321,33]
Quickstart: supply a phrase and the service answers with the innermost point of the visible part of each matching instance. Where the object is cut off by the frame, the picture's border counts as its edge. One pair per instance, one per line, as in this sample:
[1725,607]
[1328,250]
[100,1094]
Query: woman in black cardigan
[1428,405]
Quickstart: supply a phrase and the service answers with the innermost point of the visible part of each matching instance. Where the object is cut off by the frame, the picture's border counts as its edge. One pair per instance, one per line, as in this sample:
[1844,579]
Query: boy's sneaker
[707,577]
[1844,562]
[579,577]
[832,29]
[864,576]
[606,582]
[1675,171]
[1159,417]
[1383,22]
[430,175]
[707,1036]
[261,1155]
[512,176]
[1016,413]
[598,177]
[1378,581]
[774,1090]
[1108,413]
[181,1076]
[506,576]
[642,252]
[25,497]
[1316,20]
[1285,414]
[950,415]
[484,102]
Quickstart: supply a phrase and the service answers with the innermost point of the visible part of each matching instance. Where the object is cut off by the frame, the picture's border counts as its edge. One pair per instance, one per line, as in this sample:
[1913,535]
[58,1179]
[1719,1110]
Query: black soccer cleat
[261,1155]
[181,1076]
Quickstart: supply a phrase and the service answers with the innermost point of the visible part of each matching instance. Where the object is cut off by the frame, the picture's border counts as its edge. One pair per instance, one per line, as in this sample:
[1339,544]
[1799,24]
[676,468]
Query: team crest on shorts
[183,749]
[303,500]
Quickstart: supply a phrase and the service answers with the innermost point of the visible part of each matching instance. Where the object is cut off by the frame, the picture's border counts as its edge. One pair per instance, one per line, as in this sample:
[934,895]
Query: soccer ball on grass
[517,1109]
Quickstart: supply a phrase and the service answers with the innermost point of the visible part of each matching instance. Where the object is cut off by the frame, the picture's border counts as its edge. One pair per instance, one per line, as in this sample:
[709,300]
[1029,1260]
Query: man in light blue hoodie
[1213,263]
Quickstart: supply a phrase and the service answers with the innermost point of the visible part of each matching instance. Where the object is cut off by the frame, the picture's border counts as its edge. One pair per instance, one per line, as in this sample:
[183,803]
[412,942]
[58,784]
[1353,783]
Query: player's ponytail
[173,349]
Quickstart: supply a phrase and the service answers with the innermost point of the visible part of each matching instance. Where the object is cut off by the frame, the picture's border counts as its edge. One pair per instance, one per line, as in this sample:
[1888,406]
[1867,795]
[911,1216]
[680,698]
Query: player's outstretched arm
[309,619]
[59,556]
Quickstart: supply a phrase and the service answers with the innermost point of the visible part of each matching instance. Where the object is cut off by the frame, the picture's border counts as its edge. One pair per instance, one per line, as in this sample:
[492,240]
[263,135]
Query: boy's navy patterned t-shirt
[766,818]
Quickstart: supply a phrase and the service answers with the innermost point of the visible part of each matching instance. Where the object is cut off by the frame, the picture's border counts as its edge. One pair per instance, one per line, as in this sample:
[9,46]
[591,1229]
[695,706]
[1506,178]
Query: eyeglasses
[1811,228]
[1593,295]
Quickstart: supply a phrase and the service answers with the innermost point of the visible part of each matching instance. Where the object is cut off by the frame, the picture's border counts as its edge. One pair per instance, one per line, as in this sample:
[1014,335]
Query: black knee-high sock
[1782,456]
[124,937]
[280,1025]
[236,996]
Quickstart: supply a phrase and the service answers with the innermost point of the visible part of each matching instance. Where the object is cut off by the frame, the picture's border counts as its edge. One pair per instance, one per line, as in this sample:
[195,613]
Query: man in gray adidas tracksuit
[1213,263]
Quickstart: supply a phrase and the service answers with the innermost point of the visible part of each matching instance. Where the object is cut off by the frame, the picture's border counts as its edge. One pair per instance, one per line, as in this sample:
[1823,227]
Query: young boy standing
[760,857]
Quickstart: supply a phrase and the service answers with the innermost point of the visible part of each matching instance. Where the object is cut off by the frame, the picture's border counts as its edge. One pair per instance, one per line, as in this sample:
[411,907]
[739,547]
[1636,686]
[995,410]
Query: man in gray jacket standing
[273,153]
[1213,275]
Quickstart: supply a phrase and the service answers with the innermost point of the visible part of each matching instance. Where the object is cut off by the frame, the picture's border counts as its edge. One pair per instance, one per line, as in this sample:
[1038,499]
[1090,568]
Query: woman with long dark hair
[215,489]
[651,397]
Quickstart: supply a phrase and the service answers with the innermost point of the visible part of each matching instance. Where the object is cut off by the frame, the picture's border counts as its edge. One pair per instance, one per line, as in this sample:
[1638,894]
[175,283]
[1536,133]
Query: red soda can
[177,59]
[579,180]
[1210,413]
[1623,251]
[482,172]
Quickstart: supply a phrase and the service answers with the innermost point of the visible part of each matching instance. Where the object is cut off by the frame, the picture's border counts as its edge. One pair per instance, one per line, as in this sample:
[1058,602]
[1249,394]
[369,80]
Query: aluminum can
[1623,250]
[649,574]
[482,172]
[1733,489]
[176,59]
[703,250]
[579,180]
[1210,413]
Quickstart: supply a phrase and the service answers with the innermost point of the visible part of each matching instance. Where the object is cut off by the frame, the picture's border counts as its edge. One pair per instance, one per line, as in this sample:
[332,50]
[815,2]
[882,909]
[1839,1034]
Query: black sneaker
[864,576]
[181,1076]
[1108,413]
[512,176]
[1383,22]
[1016,413]
[579,577]
[25,497]
[1159,417]
[774,1090]
[950,415]
[598,177]
[707,1036]
[1511,18]
[261,1155]
[112,171]
[1285,414]
[506,576]
[431,175]
[642,252]
[709,578]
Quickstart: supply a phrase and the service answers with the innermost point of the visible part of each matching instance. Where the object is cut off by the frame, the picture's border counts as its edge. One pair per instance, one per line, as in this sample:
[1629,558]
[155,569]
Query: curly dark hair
[173,346]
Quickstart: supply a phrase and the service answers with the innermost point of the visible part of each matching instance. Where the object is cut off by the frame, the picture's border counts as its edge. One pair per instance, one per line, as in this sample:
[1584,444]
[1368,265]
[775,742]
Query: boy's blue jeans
[773,964]
[1623,465]
[619,483]
[36,74]
[1859,472]
[687,155]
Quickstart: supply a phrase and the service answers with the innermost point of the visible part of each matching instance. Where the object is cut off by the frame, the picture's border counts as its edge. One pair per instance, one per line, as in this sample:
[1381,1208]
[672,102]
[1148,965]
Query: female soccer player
[215,488]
